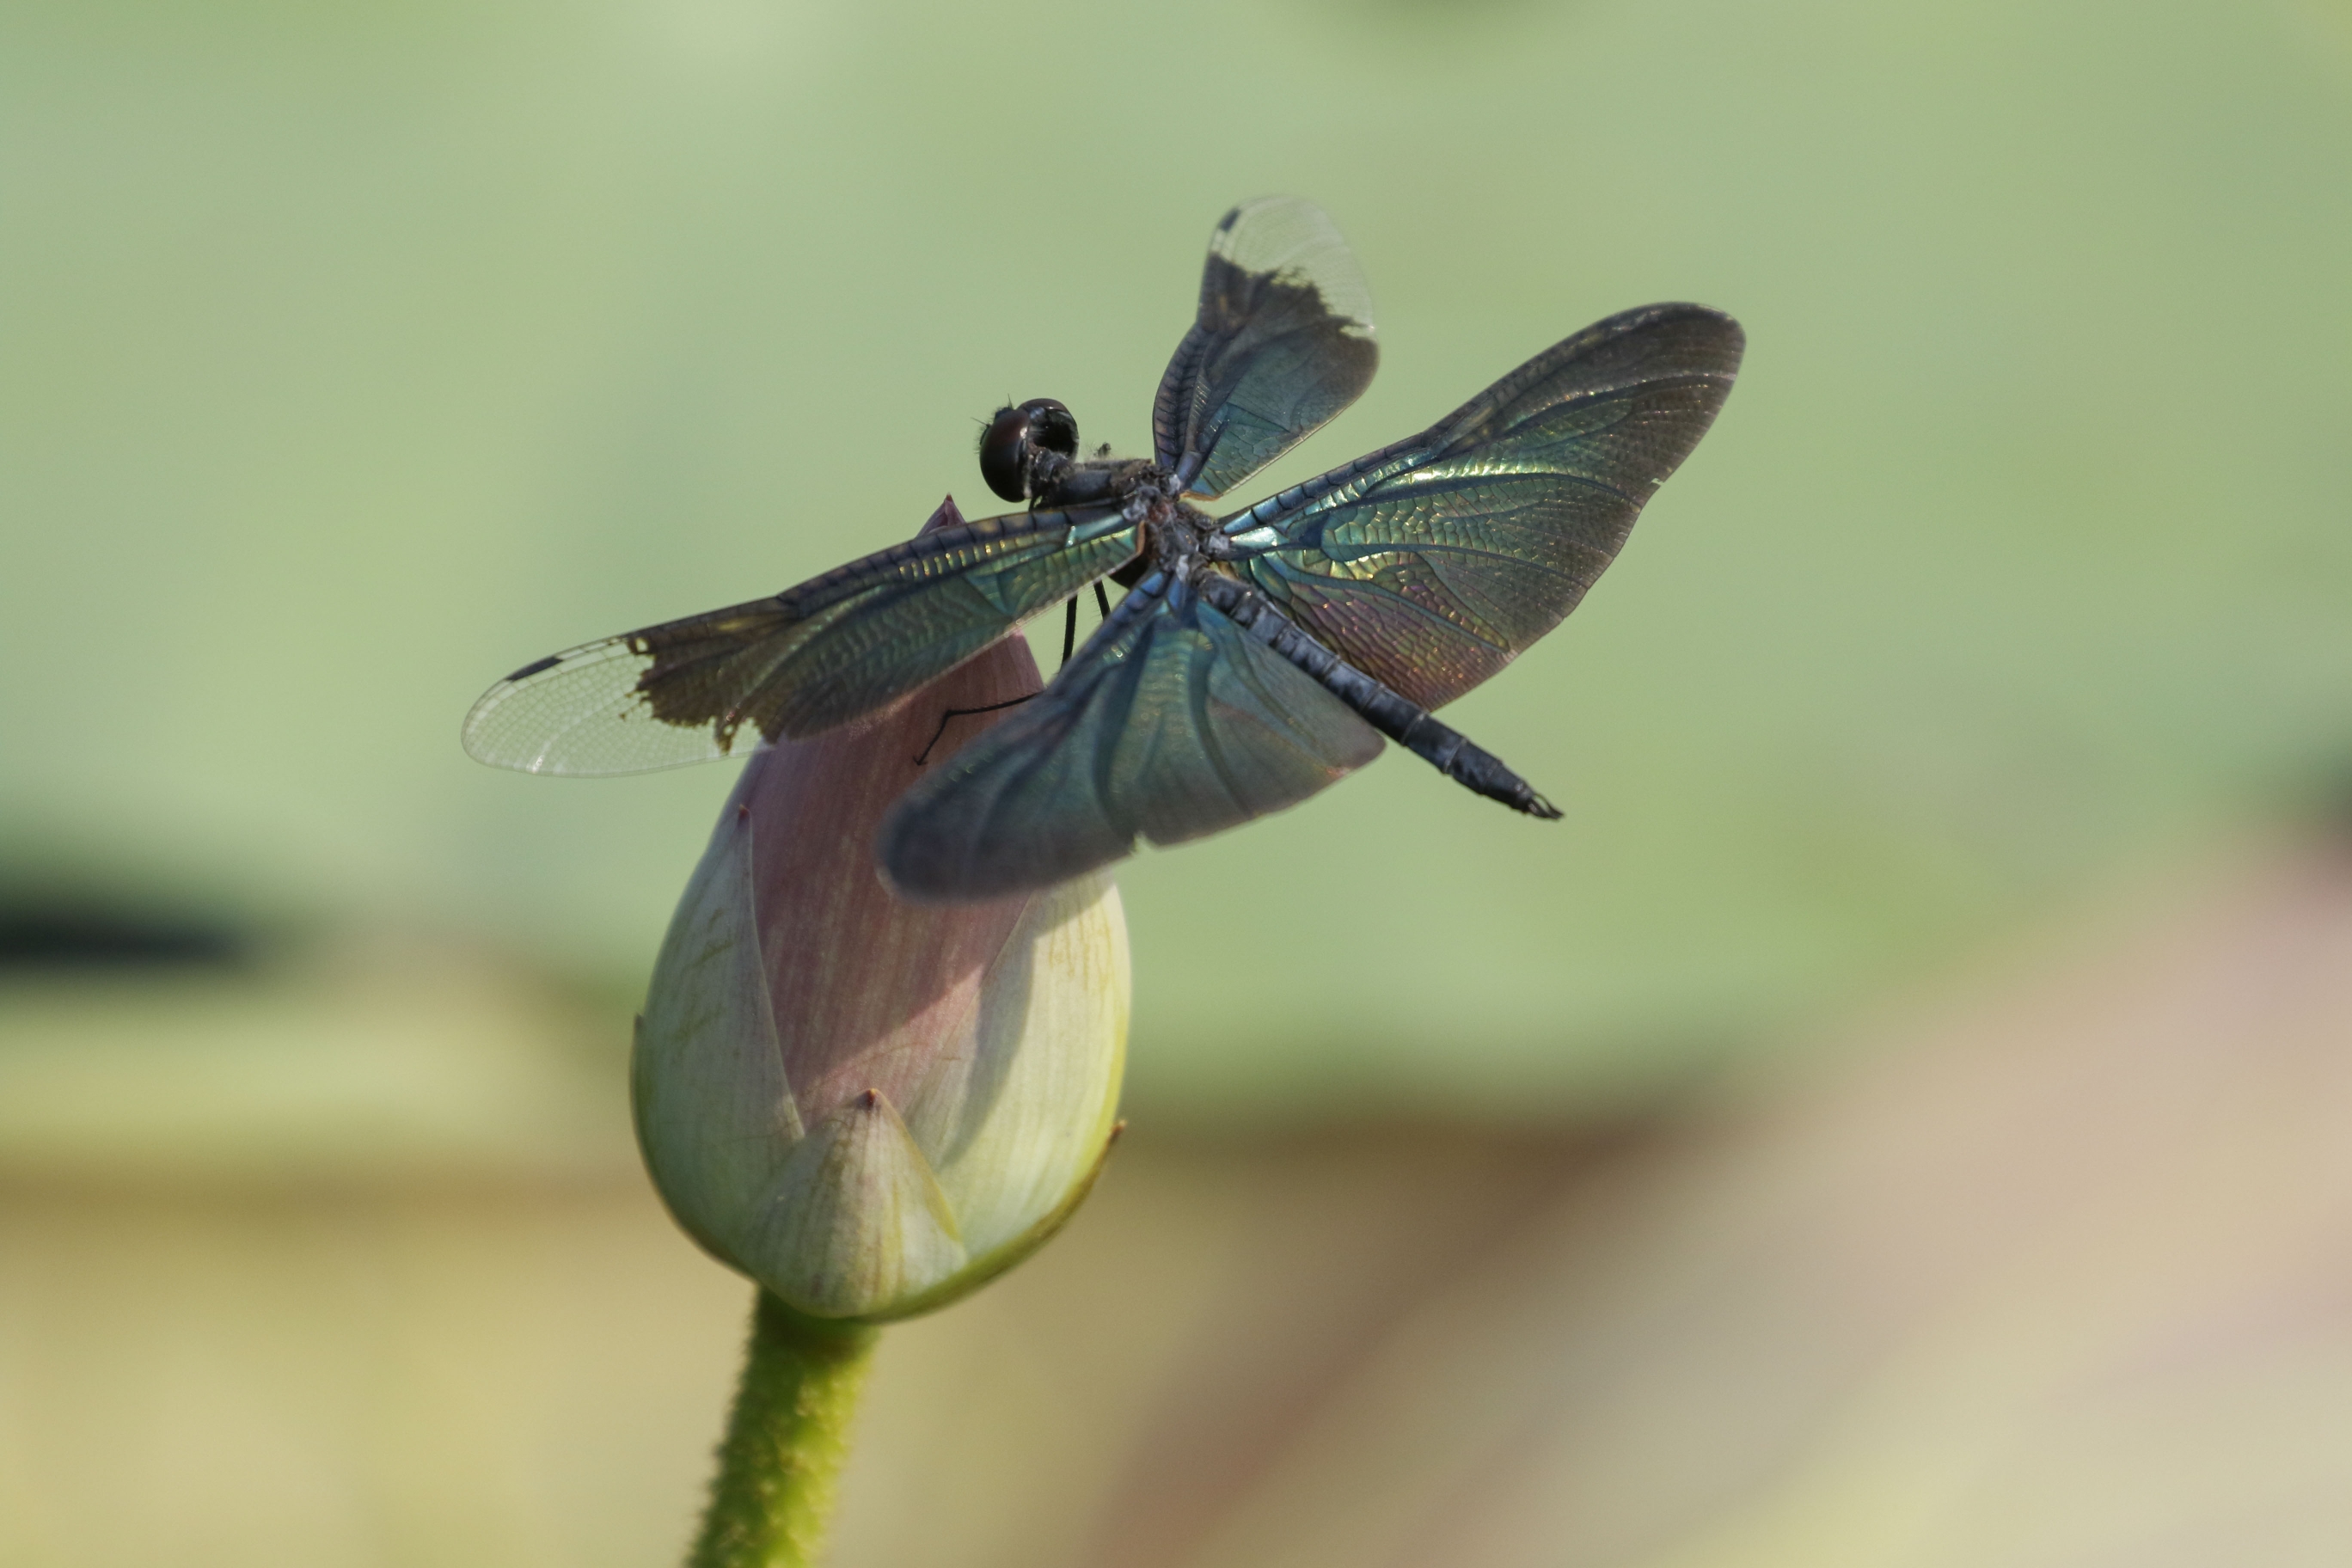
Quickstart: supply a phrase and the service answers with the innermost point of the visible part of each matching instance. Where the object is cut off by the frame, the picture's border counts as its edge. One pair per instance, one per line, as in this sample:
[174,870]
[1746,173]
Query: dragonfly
[1257,655]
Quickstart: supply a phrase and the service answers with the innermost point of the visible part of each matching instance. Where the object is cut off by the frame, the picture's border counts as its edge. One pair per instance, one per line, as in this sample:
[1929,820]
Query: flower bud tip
[873,1107]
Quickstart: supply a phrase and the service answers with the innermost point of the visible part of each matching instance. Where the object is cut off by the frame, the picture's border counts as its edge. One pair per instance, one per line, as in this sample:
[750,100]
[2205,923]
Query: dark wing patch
[799,662]
[1432,564]
[1172,723]
[1282,342]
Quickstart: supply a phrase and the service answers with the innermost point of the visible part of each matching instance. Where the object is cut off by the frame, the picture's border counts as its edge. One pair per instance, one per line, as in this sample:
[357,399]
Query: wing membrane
[1432,564]
[798,662]
[1283,341]
[1172,722]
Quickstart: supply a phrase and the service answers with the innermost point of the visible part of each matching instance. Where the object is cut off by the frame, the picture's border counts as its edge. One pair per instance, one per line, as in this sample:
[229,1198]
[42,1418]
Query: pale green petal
[1018,1125]
[853,1214]
[854,1224]
[714,1114]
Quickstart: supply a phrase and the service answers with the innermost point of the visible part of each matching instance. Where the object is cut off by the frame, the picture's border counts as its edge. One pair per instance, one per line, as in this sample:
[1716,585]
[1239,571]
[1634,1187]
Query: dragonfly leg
[964,712]
[1070,621]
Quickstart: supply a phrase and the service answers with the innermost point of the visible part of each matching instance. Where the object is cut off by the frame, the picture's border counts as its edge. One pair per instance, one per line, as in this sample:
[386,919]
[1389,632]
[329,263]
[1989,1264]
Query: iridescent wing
[1283,341]
[1432,564]
[798,662]
[1170,723]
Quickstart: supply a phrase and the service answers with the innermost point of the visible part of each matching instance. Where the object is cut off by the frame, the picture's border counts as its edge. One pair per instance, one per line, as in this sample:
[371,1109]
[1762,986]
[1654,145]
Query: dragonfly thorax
[1176,537]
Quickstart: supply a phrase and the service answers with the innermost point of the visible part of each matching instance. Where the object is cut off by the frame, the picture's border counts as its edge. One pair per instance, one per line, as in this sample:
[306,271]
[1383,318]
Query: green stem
[771,1503]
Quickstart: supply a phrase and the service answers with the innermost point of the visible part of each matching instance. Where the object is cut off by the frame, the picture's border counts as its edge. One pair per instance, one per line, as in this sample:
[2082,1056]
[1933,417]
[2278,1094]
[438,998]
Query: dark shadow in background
[54,933]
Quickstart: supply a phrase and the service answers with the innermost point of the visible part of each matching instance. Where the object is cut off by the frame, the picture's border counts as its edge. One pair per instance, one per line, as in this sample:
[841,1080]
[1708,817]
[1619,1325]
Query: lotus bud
[872,1107]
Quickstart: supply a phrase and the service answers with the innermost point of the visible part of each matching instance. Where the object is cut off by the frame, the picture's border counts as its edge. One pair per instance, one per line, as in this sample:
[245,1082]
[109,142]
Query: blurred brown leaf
[2056,1271]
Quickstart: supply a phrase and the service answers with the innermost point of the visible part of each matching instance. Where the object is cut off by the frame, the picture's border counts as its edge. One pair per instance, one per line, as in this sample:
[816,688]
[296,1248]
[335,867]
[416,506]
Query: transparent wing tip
[1290,235]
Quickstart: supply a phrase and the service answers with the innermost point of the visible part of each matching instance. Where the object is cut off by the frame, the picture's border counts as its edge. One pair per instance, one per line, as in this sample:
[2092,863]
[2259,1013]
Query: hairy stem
[771,1502]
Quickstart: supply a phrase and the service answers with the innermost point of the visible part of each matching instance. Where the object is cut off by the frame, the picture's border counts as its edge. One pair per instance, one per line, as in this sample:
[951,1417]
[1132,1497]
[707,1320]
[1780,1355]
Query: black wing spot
[535,666]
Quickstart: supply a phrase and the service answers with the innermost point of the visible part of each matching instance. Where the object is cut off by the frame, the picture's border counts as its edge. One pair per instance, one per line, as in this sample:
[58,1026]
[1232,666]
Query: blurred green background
[352,355]
[357,354]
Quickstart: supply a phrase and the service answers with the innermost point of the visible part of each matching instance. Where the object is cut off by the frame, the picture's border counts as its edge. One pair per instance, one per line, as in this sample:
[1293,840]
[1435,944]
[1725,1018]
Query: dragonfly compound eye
[1014,438]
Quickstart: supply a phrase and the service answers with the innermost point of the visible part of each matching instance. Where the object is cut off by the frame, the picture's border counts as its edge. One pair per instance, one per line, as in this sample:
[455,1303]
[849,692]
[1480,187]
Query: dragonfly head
[1019,442]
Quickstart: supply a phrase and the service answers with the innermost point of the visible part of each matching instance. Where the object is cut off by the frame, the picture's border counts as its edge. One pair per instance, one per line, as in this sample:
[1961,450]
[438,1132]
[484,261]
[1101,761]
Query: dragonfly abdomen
[1399,718]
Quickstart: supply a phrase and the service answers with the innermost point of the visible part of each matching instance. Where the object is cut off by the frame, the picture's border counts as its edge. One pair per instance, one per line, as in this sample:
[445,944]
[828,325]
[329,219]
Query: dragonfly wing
[799,662]
[1432,564]
[1283,341]
[1172,722]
